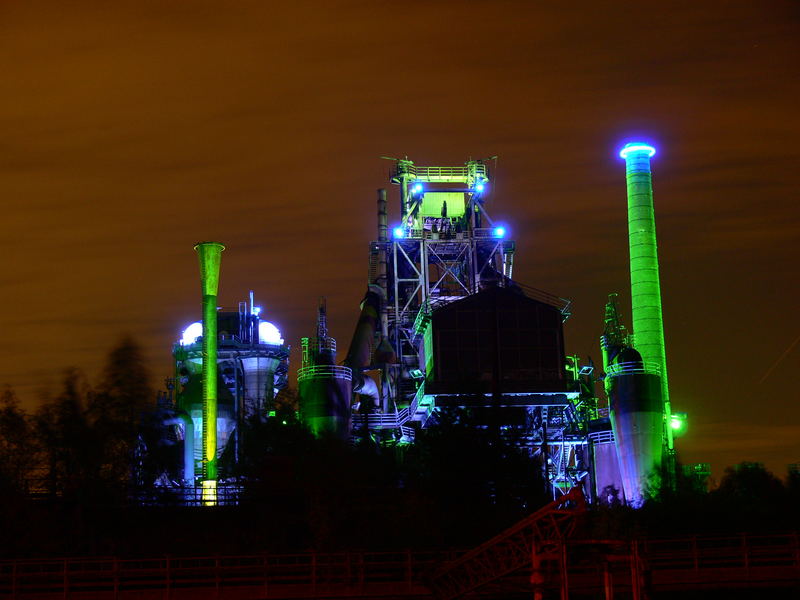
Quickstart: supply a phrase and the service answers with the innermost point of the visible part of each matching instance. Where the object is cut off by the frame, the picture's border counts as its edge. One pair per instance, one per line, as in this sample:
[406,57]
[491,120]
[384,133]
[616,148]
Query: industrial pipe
[383,219]
[210,255]
[365,386]
[648,325]
[381,278]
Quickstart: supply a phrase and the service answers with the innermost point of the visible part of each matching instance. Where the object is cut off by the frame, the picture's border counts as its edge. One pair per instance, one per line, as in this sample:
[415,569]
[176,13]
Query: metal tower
[446,251]
[444,248]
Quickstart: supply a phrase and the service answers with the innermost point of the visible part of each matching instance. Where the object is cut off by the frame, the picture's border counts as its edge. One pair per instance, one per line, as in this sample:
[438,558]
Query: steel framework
[515,548]
[446,248]
[429,272]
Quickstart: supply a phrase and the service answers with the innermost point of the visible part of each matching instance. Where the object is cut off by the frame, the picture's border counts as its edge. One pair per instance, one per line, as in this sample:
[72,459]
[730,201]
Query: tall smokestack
[210,255]
[648,325]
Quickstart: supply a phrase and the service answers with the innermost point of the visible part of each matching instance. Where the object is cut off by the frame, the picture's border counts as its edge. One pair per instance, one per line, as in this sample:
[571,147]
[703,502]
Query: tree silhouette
[116,409]
[71,452]
[124,392]
[18,446]
[88,436]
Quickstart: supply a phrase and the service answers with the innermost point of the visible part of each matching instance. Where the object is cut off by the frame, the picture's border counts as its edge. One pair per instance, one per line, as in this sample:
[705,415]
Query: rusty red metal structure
[538,555]
[523,544]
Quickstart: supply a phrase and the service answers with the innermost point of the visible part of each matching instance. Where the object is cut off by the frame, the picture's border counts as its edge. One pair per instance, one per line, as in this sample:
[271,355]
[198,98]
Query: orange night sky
[131,130]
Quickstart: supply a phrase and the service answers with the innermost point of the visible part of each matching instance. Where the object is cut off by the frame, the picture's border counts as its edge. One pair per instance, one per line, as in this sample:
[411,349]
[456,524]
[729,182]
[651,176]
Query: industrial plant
[444,327]
[228,368]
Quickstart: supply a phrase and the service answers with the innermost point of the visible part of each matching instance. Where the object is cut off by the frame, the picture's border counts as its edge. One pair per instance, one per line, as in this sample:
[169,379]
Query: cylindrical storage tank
[637,422]
[325,393]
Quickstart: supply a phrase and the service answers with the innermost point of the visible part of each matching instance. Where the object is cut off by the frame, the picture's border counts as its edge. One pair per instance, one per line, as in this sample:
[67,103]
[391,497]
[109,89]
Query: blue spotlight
[399,232]
[417,189]
[499,232]
[637,147]
[480,187]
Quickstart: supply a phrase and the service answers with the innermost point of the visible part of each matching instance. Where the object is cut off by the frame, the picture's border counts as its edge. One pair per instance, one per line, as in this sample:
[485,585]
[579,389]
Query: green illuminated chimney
[210,254]
[648,325]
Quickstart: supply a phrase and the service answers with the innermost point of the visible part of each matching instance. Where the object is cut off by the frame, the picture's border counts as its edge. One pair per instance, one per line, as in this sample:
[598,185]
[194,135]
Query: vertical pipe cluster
[382,274]
[383,222]
[384,353]
[209,254]
[648,326]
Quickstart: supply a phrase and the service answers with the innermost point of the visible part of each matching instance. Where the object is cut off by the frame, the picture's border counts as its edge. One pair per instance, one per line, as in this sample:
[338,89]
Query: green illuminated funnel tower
[210,254]
[648,326]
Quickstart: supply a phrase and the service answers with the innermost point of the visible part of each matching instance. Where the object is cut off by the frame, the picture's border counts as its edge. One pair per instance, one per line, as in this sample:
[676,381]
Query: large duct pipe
[366,387]
[210,255]
[648,325]
[359,354]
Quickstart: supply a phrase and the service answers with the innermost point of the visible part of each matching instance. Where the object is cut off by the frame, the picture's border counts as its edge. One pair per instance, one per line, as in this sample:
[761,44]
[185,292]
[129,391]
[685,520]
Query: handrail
[443,174]
[463,237]
[324,371]
[391,420]
[485,232]
[351,571]
[423,318]
[227,495]
[562,304]
[633,368]
[601,437]
[668,560]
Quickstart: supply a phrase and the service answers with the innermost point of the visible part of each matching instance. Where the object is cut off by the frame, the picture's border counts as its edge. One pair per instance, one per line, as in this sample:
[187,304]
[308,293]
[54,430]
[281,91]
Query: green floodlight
[678,422]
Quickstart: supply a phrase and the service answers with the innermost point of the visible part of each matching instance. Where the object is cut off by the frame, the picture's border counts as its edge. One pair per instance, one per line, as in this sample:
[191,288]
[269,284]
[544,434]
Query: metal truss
[429,271]
[515,548]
